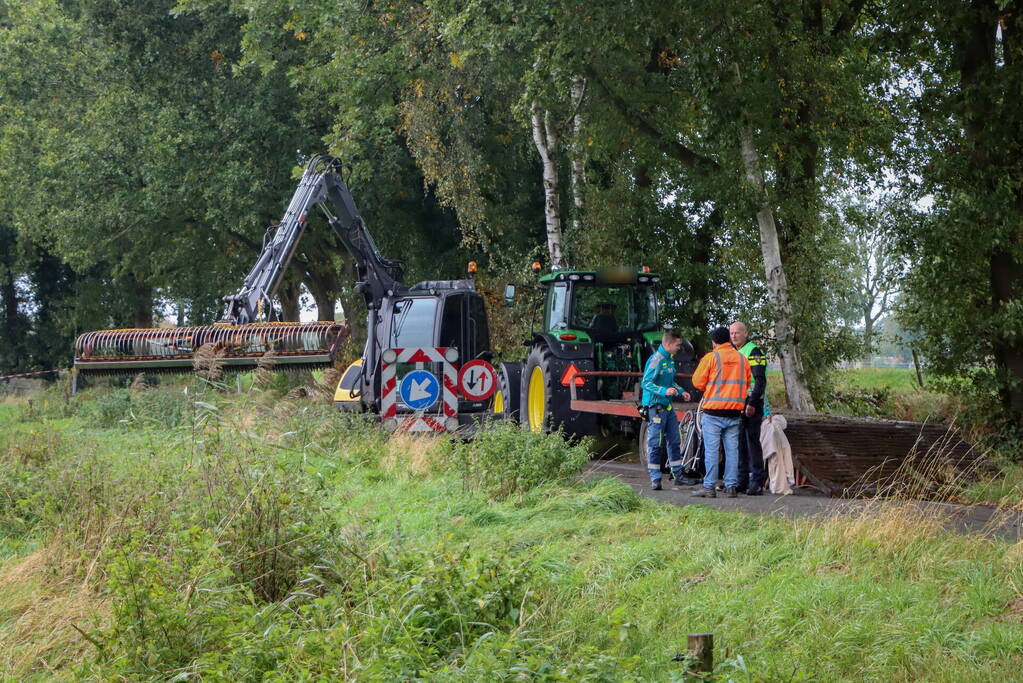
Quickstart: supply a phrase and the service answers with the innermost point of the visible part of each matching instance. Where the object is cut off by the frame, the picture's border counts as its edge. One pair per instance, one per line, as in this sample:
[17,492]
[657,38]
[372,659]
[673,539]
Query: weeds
[505,461]
[269,539]
[138,408]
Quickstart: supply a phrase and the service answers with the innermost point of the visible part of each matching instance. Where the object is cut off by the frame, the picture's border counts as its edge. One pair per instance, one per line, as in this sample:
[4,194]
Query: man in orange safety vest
[724,377]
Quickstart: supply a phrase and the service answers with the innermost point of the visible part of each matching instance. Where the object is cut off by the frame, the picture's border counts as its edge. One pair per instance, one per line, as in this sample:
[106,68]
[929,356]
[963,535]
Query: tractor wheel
[507,398]
[546,404]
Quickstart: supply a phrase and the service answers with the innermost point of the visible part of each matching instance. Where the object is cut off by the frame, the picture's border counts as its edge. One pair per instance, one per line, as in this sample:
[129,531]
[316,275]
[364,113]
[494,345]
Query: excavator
[448,313]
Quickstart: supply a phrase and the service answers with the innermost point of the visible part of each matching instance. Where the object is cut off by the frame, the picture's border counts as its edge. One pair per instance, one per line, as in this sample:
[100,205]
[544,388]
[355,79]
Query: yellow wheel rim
[498,402]
[537,399]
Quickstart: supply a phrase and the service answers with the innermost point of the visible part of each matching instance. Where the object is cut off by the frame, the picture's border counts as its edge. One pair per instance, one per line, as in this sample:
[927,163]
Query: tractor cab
[447,313]
[601,310]
[615,311]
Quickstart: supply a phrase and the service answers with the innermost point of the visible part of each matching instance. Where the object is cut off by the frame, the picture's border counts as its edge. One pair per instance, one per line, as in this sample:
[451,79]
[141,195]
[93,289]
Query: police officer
[658,389]
[751,455]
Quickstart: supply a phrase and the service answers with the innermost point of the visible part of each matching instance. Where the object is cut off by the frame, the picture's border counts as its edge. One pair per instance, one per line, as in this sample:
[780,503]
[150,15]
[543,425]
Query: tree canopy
[797,164]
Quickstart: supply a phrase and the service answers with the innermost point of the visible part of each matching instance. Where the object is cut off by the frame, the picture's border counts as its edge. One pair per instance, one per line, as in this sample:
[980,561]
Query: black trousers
[751,454]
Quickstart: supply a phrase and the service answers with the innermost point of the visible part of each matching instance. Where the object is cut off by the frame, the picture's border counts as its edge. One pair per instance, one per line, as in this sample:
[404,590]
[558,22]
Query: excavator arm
[322,186]
[240,340]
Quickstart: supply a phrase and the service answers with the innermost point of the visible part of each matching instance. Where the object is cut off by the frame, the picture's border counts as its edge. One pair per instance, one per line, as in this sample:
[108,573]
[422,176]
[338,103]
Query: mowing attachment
[234,347]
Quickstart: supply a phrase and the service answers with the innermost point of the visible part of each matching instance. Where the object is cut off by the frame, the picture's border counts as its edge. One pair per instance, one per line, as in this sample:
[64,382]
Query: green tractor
[604,321]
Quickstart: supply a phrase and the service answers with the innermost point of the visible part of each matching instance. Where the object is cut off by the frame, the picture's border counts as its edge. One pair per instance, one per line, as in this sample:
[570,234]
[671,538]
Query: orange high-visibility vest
[724,377]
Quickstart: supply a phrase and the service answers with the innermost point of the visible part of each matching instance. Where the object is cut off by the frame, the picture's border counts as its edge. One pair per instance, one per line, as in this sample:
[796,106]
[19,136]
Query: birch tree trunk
[545,137]
[578,154]
[777,285]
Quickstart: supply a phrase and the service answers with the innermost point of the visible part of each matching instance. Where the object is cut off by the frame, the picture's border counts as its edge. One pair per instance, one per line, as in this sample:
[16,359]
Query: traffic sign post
[477,380]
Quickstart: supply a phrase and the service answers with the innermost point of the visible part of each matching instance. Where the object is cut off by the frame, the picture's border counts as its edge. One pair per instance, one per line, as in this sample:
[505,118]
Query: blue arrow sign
[419,389]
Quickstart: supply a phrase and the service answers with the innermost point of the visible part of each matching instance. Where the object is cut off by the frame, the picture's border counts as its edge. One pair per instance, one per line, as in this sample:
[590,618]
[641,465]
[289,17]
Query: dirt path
[1003,524]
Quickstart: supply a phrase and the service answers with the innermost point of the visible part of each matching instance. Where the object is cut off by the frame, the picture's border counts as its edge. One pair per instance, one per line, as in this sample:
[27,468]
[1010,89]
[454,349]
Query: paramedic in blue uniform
[662,431]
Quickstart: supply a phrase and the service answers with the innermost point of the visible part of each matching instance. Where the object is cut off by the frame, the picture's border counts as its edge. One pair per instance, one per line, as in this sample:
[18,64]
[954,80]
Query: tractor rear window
[413,323]
[613,309]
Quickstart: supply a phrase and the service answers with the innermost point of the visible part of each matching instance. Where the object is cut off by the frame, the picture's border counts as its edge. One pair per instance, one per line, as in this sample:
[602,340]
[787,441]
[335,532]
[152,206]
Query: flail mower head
[233,347]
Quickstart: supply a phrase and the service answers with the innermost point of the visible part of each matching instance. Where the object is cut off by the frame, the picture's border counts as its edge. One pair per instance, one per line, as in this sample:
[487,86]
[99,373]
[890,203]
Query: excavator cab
[437,313]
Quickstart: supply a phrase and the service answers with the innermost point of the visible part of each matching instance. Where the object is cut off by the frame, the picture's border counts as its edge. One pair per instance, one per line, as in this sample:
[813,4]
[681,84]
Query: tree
[965,289]
[877,265]
[545,137]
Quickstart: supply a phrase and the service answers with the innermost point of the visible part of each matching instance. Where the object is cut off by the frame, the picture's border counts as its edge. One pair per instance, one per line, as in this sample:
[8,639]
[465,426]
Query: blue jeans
[715,431]
[662,430]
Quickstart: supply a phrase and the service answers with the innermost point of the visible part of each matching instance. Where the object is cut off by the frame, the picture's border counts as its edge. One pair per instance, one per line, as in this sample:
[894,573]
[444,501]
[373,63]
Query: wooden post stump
[701,649]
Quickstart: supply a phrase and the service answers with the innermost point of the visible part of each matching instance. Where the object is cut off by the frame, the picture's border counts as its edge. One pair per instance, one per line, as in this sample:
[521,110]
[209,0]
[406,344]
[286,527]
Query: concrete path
[1005,524]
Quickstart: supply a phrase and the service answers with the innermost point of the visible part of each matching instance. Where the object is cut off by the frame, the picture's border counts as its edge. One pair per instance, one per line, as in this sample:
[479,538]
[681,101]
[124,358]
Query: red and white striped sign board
[418,421]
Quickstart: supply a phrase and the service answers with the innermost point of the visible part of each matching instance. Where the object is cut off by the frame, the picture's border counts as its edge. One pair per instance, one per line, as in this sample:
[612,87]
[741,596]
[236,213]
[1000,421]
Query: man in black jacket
[751,455]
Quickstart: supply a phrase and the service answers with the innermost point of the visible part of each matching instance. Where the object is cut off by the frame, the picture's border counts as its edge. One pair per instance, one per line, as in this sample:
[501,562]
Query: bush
[168,610]
[504,460]
[25,455]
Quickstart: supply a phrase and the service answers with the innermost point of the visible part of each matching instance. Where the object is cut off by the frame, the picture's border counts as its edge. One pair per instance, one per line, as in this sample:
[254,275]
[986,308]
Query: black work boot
[704,492]
[655,485]
[730,492]
[755,491]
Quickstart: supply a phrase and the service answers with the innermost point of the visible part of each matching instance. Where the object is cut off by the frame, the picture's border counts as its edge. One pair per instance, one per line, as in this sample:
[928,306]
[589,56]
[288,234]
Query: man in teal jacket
[658,389]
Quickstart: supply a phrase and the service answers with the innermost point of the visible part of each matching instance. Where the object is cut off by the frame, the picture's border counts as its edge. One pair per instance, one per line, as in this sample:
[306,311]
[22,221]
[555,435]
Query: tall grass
[260,538]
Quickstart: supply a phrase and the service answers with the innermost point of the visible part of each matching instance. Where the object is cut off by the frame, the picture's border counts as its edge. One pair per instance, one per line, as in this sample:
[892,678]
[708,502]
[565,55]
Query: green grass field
[896,379]
[162,536]
[890,393]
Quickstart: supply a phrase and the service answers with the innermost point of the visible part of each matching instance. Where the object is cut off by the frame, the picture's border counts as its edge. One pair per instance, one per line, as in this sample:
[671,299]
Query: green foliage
[965,290]
[505,460]
[158,628]
[1005,486]
[269,540]
[137,409]
[26,453]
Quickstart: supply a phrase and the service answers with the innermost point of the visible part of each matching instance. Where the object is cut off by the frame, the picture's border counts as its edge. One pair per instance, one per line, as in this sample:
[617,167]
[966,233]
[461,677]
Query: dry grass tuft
[207,361]
[299,392]
[412,454]
[890,527]
[1014,609]
[1014,555]
[139,383]
[44,621]
[331,377]
[265,368]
